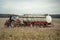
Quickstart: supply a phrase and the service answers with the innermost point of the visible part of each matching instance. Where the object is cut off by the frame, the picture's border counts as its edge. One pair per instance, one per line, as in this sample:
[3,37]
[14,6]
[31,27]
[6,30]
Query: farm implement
[16,22]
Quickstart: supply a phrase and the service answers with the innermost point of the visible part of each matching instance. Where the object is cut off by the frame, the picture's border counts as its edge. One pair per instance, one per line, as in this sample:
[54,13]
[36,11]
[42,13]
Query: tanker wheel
[51,25]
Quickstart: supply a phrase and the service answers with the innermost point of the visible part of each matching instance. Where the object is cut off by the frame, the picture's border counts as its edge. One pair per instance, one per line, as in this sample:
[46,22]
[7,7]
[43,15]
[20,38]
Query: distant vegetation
[7,15]
[56,16]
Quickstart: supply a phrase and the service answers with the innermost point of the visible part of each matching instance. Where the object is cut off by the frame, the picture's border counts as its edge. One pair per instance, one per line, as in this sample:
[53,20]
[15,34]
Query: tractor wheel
[6,24]
[12,24]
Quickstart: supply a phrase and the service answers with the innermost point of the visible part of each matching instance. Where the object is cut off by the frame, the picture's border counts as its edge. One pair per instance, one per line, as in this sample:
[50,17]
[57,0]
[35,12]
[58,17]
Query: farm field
[30,33]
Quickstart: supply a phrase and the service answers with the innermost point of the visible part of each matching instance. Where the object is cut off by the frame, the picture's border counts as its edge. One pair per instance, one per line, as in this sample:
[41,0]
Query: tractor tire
[12,24]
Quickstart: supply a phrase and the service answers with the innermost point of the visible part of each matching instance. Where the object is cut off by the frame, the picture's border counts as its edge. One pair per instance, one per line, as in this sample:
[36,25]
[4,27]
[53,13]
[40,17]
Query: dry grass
[30,33]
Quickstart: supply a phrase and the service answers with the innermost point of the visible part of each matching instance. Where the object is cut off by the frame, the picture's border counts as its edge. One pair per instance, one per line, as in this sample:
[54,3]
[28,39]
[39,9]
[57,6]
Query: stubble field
[30,33]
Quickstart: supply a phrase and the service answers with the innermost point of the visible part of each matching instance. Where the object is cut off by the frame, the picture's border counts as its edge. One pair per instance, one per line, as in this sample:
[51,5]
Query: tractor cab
[14,17]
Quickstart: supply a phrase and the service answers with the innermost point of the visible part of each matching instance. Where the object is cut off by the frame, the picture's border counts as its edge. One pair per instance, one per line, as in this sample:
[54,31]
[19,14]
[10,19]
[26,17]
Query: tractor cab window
[13,17]
[16,17]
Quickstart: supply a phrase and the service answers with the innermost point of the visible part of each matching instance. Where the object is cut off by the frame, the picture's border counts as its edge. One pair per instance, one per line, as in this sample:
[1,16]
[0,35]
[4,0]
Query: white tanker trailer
[45,21]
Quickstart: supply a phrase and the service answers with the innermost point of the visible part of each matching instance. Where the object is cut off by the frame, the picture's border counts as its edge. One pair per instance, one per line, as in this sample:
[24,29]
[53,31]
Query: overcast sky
[30,6]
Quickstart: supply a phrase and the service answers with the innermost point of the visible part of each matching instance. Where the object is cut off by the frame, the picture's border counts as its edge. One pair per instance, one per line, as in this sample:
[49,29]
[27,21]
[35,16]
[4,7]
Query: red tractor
[13,21]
